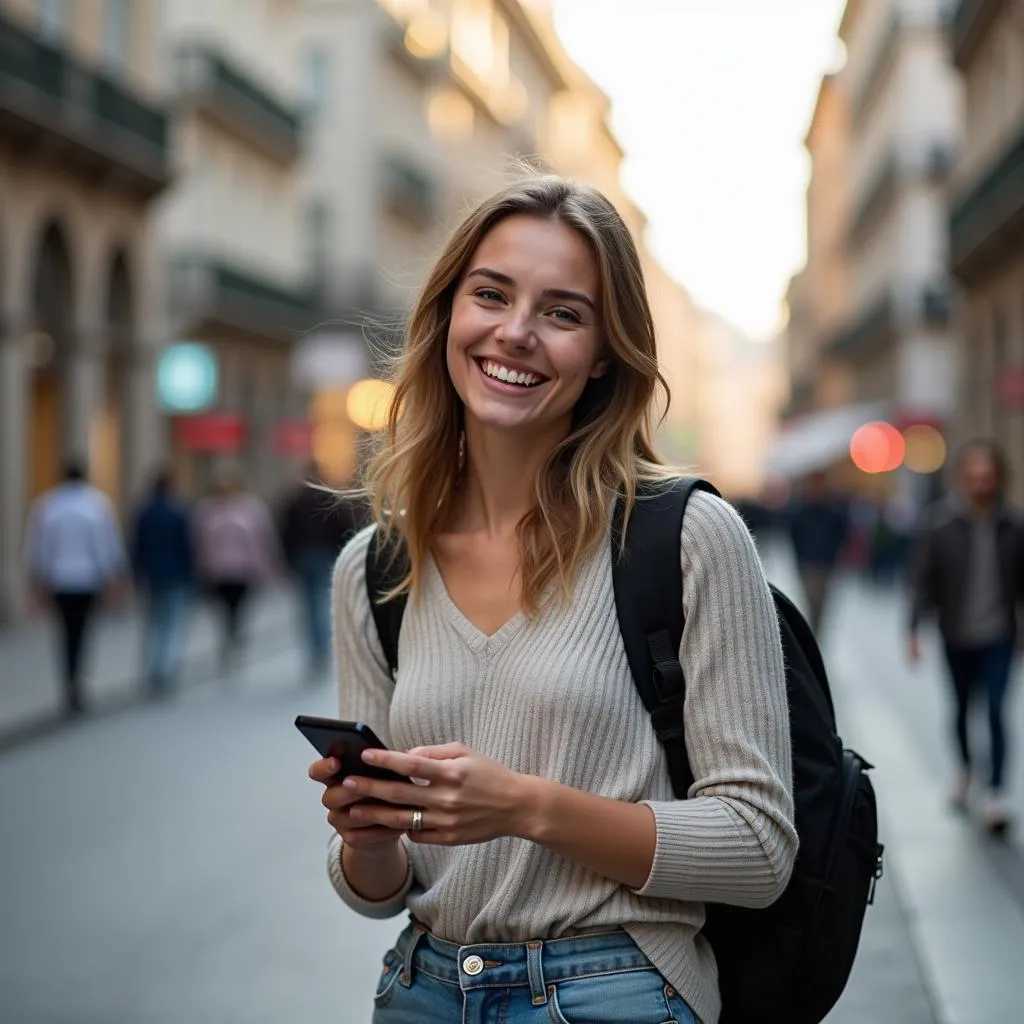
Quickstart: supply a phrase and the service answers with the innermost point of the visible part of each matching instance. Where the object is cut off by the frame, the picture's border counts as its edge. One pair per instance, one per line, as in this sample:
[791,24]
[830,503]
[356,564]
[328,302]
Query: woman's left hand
[468,798]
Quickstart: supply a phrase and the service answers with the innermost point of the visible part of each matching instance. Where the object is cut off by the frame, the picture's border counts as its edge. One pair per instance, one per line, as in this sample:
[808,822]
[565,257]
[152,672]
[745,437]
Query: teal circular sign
[186,377]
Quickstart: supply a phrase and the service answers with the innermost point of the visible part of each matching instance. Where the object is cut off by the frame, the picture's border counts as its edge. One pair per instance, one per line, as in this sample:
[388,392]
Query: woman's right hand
[338,800]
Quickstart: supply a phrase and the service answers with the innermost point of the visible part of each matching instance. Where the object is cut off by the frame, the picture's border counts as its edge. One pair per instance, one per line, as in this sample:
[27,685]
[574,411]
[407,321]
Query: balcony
[869,332]
[971,22]
[408,189]
[53,105]
[931,164]
[986,225]
[211,83]
[207,290]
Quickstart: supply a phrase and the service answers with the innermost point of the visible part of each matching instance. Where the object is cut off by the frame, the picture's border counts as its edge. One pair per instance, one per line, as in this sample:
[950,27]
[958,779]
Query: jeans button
[472,965]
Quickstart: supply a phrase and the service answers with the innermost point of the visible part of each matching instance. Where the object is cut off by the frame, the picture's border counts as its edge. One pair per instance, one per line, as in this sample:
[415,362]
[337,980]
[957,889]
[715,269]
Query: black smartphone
[346,741]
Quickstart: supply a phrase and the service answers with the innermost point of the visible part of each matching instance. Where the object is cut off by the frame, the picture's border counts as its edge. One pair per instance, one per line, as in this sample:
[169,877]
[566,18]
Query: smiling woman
[549,870]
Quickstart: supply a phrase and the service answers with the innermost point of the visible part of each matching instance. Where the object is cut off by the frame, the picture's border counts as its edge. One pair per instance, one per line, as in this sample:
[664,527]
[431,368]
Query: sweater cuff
[378,909]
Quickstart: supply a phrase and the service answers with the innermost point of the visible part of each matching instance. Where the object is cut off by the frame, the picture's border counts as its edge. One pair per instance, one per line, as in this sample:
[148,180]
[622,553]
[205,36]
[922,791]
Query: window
[117,33]
[53,18]
[318,81]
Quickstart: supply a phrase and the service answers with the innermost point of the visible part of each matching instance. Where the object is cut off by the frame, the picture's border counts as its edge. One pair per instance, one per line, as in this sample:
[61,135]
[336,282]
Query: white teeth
[500,372]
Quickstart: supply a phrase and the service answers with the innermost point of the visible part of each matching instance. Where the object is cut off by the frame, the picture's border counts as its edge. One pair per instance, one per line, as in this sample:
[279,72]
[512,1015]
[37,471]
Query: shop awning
[819,439]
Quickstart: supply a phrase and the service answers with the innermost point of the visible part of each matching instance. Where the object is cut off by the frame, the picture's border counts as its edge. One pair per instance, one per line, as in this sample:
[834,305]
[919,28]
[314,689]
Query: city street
[165,864]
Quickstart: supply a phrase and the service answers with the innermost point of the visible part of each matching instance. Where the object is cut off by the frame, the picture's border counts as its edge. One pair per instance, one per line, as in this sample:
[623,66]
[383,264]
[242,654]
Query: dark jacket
[819,530]
[939,569]
[318,522]
[161,545]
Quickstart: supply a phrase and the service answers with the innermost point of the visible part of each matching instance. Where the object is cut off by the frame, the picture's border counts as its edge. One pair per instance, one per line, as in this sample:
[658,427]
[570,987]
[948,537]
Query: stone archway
[112,438]
[49,343]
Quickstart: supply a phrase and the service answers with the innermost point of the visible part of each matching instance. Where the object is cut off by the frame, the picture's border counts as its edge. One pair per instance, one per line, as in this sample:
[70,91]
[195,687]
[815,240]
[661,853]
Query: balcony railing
[90,121]
[972,20]
[408,189]
[214,290]
[987,223]
[213,82]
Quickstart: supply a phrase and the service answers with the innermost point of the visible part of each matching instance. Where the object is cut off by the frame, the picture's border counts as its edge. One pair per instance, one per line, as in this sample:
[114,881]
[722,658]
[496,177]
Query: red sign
[293,437]
[1011,388]
[214,433]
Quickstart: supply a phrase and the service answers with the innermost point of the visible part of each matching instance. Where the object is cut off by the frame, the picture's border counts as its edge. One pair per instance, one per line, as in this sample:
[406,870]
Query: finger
[402,794]
[324,769]
[442,752]
[398,819]
[337,797]
[426,768]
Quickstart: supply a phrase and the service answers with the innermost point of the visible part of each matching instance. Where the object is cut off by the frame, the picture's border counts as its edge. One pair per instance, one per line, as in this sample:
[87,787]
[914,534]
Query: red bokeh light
[877,448]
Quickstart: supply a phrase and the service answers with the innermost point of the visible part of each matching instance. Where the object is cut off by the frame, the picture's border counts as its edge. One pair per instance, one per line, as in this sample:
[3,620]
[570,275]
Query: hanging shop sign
[211,433]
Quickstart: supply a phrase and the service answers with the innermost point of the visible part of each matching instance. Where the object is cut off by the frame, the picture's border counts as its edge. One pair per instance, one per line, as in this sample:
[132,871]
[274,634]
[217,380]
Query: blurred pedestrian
[236,550]
[548,825]
[162,560]
[969,573]
[75,556]
[315,524]
[819,523]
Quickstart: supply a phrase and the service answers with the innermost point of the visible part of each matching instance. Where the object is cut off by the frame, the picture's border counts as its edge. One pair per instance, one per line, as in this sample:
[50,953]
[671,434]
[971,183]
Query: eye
[489,295]
[566,314]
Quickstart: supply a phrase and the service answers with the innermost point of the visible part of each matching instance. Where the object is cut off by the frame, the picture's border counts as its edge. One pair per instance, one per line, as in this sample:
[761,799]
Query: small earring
[462,449]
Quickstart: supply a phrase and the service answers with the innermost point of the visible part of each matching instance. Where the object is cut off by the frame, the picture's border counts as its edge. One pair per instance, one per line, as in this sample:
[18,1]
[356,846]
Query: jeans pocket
[388,978]
[639,997]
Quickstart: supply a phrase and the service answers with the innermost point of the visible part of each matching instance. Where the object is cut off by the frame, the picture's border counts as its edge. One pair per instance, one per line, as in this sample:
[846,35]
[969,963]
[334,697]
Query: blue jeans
[985,668]
[165,622]
[313,570]
[590,979]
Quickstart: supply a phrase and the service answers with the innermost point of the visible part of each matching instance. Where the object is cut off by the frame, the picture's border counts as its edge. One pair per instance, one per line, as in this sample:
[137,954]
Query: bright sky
[711,102]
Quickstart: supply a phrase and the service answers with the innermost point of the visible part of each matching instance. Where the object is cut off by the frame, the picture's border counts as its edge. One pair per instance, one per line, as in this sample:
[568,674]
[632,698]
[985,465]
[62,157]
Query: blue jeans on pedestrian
[984,668]
[588,979]
[313,570]
[165,625]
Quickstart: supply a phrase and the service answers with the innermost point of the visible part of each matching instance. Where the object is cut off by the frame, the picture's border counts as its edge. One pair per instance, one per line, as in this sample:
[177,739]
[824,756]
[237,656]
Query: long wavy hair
[414,476]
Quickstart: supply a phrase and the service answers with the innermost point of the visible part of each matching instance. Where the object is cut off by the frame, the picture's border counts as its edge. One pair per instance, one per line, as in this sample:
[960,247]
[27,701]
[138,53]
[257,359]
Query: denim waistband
[535,964]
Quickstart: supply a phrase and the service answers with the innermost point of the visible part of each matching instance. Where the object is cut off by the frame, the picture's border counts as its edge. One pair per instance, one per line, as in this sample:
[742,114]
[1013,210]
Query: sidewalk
[30,689]
[945,941]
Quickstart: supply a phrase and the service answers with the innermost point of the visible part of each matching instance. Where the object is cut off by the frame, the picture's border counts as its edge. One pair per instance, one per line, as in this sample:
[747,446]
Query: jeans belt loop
[405,978]
[535,972]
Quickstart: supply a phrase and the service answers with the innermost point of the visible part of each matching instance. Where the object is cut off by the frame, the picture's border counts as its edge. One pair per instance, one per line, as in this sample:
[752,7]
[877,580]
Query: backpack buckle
[667,677]
[879,871]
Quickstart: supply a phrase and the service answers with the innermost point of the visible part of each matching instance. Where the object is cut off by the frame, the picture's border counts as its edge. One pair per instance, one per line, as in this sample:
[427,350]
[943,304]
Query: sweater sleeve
[364,695]
[733,841]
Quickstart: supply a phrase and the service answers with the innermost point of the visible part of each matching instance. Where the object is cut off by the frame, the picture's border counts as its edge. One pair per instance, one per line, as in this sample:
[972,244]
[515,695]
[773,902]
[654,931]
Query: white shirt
[74,541]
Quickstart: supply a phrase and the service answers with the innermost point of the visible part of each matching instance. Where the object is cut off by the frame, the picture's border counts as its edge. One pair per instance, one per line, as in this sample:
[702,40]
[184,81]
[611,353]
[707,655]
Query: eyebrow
[554,293]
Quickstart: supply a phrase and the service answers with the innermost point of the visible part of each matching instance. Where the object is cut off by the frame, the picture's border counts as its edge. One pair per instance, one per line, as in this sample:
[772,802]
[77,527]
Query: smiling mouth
[504,375]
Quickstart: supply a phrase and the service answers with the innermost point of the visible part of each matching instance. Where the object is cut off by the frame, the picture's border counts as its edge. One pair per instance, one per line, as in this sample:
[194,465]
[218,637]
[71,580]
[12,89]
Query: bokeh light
[877,448]
[926,449]
[369,402]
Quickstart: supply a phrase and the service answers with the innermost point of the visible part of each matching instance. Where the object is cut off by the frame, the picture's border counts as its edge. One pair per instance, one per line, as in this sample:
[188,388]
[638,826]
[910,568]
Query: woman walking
[549,873]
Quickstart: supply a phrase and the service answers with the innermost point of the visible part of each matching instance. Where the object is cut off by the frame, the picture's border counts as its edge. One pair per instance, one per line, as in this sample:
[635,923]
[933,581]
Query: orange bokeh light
[877,448]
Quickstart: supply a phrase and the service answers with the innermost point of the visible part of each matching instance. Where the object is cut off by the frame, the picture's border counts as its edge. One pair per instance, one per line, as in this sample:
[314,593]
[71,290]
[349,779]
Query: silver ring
[417,820]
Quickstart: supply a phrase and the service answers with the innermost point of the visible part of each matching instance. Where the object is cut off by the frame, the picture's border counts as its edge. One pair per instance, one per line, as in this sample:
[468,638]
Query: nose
[516,329]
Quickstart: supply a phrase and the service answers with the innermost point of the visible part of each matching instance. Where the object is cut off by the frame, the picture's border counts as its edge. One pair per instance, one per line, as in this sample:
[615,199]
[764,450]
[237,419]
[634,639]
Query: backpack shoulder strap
[648,584]
[385,567]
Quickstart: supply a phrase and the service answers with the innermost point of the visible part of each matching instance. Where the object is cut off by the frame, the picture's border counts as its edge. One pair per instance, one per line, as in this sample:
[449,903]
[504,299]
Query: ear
[600,368]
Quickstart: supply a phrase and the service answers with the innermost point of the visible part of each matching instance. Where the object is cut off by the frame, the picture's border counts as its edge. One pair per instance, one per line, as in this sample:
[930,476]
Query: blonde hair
[609,449]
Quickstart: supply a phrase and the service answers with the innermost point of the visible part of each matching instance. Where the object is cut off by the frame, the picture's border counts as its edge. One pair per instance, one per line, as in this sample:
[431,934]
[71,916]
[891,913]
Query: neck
[981,506]
[501,468]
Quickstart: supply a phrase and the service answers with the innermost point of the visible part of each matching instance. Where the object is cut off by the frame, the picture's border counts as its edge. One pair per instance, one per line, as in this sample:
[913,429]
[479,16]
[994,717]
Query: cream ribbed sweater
[554,698]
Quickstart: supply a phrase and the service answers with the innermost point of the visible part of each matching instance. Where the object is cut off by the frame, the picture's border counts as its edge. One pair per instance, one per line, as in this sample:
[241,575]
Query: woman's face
[525,331]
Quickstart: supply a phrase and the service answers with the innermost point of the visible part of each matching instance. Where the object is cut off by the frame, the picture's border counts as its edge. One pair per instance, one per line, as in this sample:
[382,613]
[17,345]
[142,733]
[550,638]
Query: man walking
[74,554]
[315,525]
[969,571]
[818,524]
[162,559]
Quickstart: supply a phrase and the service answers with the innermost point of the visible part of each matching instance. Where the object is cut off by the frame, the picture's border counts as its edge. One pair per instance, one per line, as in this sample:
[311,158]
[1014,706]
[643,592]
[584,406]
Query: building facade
[235,238]
[987,223]
[84,152]
[905,112]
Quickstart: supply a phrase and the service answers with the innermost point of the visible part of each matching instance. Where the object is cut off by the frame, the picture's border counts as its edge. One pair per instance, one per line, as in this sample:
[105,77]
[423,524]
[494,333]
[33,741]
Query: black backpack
[792,960]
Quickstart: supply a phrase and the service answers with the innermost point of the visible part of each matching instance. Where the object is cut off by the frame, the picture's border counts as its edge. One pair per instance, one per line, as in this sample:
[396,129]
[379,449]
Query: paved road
[165,864]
